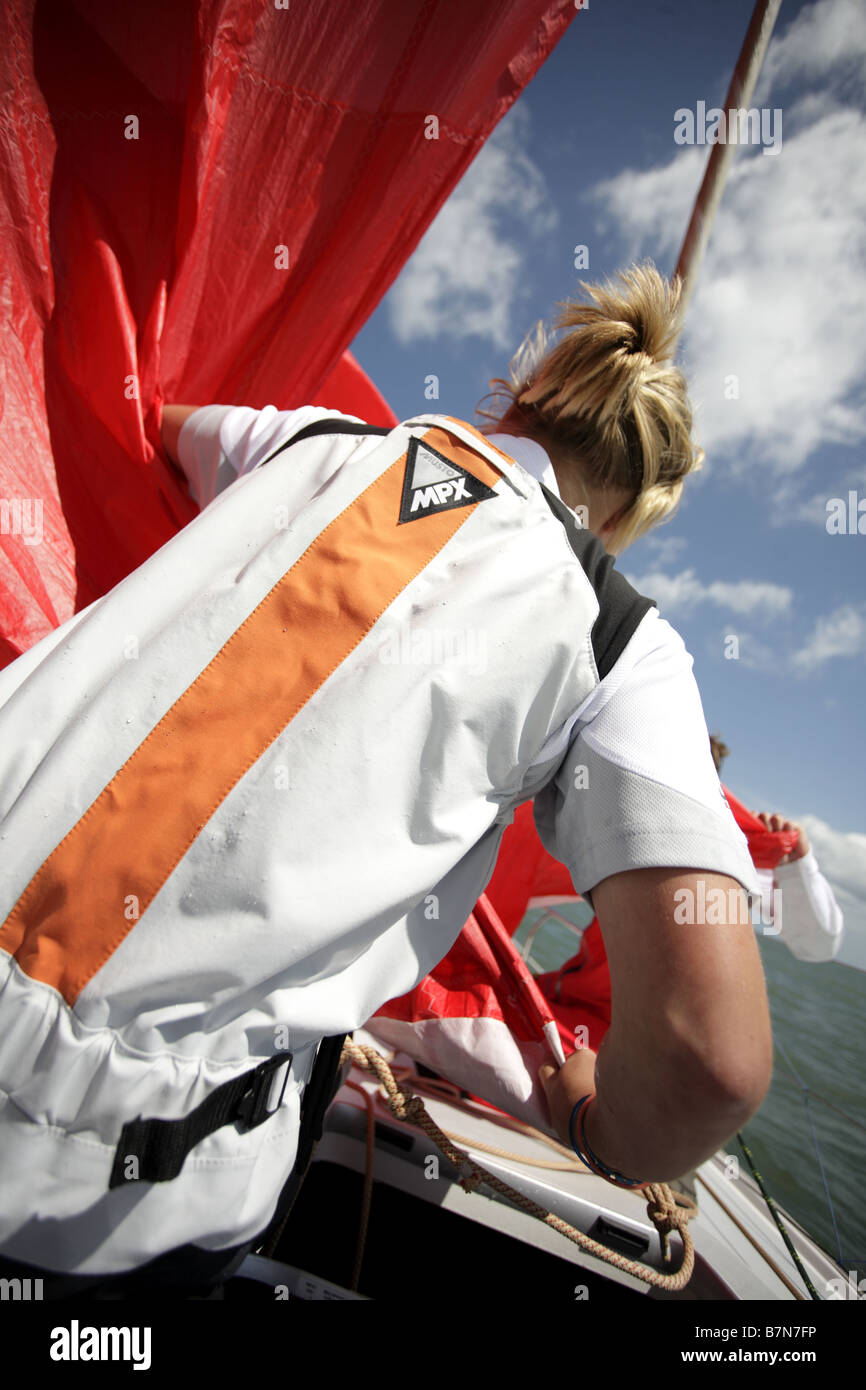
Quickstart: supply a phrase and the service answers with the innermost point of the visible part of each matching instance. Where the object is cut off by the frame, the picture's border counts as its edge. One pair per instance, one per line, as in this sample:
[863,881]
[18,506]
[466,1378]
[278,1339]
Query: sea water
[808,1140]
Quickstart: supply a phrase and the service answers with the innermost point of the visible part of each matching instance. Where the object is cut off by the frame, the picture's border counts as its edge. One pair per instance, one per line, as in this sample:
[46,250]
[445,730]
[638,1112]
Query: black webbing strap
[154,1150]
[318,1094]
[323,1085]
[328,427]
[620,607]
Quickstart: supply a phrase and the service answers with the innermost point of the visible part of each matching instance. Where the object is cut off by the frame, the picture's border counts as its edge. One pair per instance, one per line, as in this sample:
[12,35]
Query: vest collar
[530,456]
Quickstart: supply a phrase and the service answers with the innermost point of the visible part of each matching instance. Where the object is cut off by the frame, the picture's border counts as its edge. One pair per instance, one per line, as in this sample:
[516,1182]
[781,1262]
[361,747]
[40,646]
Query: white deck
[739,1251]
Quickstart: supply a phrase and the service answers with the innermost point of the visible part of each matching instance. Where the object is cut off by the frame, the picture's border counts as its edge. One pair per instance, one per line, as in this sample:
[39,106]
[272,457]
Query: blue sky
[587,157]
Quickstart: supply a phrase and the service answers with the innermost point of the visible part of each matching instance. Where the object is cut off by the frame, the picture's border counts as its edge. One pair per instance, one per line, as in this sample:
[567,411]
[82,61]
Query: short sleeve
[219,443]
[637,787]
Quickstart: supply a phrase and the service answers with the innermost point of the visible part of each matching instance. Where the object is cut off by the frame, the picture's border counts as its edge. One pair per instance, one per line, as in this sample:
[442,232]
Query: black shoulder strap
[324,1083]
[335,426]
[620,607]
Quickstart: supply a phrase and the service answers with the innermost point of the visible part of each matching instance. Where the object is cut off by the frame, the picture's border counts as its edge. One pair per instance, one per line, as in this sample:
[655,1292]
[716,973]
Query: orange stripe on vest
[71,916]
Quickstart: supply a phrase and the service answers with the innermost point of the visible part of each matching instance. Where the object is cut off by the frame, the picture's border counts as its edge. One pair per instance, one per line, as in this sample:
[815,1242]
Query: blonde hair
[719,751]
[609,396]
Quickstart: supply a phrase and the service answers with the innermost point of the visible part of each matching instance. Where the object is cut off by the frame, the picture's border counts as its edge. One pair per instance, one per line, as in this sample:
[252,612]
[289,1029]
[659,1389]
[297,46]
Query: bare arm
[688,1057]
[173,417]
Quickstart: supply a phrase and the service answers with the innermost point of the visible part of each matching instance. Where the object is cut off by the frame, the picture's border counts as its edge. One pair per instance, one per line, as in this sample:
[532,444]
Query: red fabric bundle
[455,1020]
[204,203]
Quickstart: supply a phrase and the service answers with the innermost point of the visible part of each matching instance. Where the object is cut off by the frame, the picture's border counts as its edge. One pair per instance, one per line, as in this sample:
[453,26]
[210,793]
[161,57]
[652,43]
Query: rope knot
[470,1177]
[666,1213]
[413,1111]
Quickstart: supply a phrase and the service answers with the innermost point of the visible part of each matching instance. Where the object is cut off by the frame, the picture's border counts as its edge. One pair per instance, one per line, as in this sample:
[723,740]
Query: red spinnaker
[470,1018]
[204,202]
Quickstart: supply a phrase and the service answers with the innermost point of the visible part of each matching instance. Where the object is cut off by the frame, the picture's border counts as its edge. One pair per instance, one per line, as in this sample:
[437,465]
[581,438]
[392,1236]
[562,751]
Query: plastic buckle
[252,1108]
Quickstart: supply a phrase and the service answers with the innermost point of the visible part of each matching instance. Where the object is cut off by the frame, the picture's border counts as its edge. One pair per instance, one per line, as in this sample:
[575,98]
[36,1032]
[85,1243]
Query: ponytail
[608,395]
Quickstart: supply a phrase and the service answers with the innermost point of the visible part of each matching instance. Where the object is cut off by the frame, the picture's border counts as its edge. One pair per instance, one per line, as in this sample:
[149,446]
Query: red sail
[204,203]
[467,1019]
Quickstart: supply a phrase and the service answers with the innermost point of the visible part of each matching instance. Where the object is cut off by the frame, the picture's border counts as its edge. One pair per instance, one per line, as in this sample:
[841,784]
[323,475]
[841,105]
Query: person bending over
[280,813]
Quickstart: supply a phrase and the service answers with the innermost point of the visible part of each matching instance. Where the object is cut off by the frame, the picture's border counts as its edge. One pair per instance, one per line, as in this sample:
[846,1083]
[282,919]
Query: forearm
[173,419]
[204,458]
[688,1057]
[658,1116]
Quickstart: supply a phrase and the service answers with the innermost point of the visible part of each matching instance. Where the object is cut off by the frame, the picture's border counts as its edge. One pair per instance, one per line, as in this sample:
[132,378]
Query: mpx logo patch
[433,483]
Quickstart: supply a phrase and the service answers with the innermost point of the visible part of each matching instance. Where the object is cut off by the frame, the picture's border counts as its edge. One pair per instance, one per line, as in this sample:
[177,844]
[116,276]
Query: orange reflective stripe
[88,894]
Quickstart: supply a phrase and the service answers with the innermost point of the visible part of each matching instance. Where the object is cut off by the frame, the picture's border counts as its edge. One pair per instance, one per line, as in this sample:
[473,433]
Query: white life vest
[250,795]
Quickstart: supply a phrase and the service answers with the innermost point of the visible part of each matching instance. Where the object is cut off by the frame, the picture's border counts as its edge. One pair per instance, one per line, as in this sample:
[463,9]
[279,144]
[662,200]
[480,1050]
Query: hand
[800,849]
[564,1087]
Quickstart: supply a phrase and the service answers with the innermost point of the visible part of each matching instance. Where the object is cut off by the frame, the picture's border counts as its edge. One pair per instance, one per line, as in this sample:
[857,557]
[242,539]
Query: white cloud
[754,652]
[469,271]
[684,591]
[812,508]
[815,508]
[781,298]
[840,633]
[783,301]
[824,38]
[650,208]
[666,549]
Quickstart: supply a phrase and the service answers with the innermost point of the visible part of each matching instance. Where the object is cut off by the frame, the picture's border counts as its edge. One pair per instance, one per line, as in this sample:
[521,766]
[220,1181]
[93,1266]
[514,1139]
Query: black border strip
[334,426]
[620,607]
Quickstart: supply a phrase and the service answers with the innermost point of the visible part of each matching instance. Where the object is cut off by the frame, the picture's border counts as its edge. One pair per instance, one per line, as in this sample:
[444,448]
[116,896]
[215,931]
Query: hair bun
[608,396]
[633,314]
[634,343]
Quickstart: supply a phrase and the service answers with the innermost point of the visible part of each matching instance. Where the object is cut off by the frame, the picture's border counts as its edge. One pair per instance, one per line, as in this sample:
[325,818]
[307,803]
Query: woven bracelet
[589,1159]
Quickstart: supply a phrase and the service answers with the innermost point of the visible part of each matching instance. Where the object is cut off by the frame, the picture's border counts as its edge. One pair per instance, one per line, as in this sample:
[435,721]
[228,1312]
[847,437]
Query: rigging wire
[775,1215]
[816,1095]
[805,1090]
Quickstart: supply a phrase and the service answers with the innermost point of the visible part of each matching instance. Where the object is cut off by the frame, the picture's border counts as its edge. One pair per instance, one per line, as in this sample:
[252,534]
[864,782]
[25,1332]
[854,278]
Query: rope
[663,1208]
[567,1166]
[775,1215]
[438,1089]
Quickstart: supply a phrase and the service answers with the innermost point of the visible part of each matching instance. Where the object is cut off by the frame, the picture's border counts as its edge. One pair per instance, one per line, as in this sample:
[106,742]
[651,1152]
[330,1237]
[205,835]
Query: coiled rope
[667,1210]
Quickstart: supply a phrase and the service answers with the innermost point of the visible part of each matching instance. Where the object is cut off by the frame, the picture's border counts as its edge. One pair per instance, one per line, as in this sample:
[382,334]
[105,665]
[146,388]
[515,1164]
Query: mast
[739,95]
